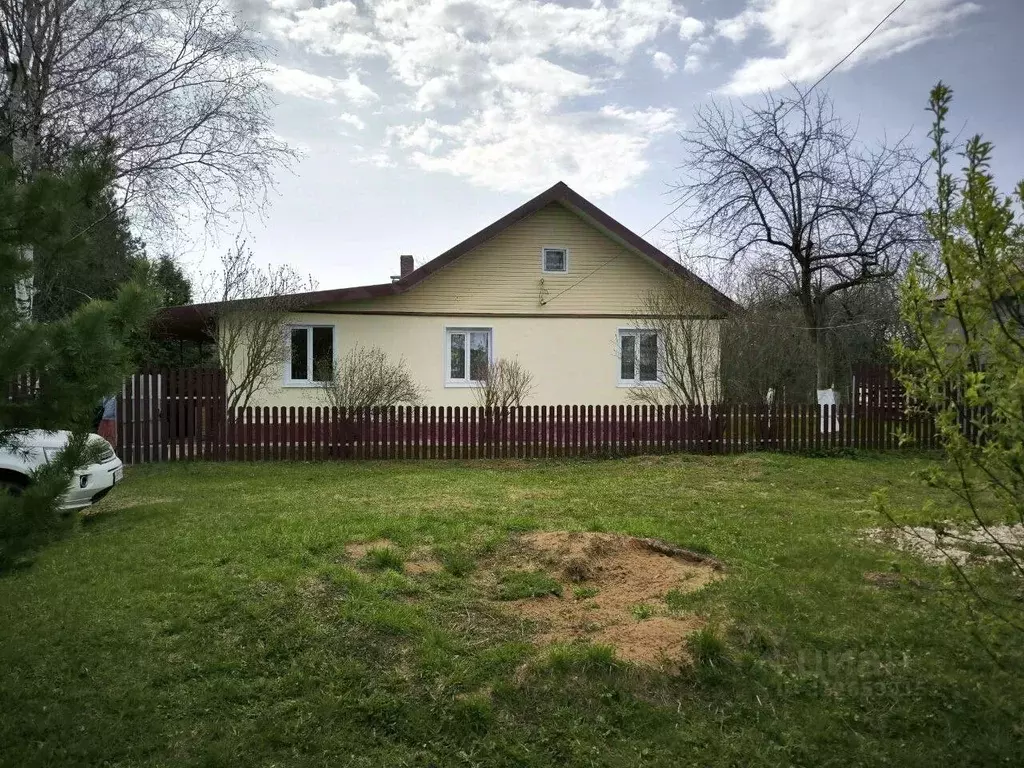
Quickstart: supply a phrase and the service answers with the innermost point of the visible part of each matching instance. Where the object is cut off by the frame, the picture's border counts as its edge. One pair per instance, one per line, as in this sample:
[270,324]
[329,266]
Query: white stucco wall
[573,360]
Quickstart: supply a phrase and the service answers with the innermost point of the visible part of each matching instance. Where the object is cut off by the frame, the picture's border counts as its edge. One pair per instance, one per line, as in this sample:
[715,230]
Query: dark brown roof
[191,320]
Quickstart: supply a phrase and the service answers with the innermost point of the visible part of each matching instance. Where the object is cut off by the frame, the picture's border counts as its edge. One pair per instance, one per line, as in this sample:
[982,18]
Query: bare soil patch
[357,550]
[417,562]
[622,582]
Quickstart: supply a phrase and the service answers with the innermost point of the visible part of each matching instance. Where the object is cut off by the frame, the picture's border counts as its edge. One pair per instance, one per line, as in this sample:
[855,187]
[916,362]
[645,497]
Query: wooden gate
[166,415]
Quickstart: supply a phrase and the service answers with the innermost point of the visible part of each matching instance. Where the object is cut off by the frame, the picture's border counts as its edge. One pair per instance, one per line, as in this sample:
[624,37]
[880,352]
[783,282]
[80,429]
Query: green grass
[642,611]
[383,559]
[208,615]
[519,585]
[457,559]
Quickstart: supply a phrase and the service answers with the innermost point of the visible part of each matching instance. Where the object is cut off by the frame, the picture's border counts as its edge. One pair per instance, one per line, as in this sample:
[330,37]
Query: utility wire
[687,198]
[843,60]
[599,267]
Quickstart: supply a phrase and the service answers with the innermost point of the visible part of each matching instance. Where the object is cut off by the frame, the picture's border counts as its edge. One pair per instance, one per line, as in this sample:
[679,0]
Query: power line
[599,267]
[687,198]
[843,60]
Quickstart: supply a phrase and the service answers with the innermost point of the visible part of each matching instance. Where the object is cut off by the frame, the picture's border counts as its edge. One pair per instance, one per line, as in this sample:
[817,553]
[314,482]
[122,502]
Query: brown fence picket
[503,432]
[191,411]
[799,424]
[182,415]
[465,436]
[470,435]
[448,433]
[561,433]
[455,433]
[254,433]
[439,433]
[267,434]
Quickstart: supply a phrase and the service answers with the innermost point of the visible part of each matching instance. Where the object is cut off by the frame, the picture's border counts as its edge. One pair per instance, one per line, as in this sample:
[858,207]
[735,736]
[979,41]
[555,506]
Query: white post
[826,397]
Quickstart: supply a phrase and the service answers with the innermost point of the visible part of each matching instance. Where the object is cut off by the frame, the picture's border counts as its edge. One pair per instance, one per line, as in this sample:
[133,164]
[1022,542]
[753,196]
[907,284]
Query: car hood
[40,438]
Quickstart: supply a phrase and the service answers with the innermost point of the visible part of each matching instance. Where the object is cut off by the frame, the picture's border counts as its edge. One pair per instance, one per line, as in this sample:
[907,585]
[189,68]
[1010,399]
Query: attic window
[555,260]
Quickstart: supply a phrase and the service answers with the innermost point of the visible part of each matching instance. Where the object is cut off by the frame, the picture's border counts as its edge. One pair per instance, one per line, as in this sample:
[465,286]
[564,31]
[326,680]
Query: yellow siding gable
[503,275]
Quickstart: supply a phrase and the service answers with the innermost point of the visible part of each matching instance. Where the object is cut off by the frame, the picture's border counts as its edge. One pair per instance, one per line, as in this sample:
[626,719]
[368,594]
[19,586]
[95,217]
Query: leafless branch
[175,89]
[785,186]
[367,377]
[249,328]
[506,384]
[688,349]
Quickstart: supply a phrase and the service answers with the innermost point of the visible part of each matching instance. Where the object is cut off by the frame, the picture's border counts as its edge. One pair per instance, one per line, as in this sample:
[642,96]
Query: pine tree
[54,373]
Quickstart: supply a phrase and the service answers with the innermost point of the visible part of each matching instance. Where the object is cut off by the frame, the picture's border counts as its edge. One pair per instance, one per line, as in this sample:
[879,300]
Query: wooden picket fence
[526,432]
[165,415]
[183,418]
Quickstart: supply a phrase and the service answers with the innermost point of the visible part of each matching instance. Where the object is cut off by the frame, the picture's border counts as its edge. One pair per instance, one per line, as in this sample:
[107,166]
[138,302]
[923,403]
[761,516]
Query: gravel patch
[963,545]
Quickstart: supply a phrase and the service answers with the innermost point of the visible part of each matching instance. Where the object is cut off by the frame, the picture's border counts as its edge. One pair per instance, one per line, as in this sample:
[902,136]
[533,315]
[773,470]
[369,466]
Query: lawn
[208,614]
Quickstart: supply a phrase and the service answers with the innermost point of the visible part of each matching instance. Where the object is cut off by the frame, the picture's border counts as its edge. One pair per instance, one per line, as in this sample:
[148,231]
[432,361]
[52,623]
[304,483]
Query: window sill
[303,384]
[463,384]
[639,384]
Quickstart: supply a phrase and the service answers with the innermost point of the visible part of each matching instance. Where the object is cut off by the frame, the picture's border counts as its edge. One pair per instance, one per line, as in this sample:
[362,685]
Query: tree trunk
[22,152]
[815,330]
[823,375]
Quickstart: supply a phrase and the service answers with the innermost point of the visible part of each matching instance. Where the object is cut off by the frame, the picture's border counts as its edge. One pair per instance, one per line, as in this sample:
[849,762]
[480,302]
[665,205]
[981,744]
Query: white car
[37,447]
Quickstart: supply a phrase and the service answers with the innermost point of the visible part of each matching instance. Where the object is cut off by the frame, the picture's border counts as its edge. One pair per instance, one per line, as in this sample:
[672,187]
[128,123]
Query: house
[556,284]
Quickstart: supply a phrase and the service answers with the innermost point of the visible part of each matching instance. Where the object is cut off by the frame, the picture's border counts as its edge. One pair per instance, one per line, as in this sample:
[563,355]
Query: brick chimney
[405,265]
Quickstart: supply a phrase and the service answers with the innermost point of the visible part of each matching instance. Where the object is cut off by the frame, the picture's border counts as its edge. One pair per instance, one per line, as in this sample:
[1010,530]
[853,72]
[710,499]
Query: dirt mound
[613,591]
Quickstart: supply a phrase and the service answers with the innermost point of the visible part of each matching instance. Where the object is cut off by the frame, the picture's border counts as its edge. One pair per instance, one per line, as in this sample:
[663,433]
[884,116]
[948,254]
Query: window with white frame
[310,357]
[554,260]
[638,357]
[468,353]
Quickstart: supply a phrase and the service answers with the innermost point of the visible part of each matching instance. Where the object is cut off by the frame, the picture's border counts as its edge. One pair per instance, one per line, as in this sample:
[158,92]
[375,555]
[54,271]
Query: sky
[420,122]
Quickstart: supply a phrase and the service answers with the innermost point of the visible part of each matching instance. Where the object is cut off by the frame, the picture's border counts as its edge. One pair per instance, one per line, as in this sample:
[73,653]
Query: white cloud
[296,82]
[546,84]
[354,89]
[349,119]
[379,159]
[502,92]
[330,29]
[812,36]
[695,56]
[689,28]
[509,150]
[663,63]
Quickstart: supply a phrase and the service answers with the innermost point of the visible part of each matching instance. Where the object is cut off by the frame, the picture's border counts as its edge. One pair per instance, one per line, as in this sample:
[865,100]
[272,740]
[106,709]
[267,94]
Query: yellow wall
[503,275]
[500,285]
[573,360]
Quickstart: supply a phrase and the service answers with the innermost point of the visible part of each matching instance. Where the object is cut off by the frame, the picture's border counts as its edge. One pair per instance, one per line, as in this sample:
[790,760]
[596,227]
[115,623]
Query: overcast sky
[422,121]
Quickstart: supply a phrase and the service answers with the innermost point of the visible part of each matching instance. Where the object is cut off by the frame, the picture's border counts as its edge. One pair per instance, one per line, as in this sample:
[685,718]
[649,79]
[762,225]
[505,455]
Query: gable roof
[191,320]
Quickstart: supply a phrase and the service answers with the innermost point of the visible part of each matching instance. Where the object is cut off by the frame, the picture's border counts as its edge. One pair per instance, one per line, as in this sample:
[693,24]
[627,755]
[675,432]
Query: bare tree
[785,190]
[367,377]
[249,322]
[688,349]
[766,348]
[174,89]
[505,383]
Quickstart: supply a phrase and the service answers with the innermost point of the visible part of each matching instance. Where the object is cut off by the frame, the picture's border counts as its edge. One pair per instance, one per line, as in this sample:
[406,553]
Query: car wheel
[11,486]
